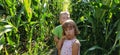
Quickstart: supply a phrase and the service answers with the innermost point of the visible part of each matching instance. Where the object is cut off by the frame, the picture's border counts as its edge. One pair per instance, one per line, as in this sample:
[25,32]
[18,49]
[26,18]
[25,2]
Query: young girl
[70,46]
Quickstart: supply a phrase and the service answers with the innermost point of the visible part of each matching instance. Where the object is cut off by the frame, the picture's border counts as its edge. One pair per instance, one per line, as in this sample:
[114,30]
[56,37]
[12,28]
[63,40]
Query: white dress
[67,47]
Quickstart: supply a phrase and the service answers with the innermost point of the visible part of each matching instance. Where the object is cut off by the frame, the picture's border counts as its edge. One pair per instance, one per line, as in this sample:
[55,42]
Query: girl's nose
[68,32]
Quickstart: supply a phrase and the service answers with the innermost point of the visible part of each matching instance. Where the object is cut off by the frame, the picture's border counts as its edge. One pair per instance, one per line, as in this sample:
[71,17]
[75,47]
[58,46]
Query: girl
[70,46]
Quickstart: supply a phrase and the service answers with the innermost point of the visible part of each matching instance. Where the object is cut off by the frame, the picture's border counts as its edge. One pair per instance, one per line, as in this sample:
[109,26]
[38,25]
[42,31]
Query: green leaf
[9,3]
[110,32]
[33,22]
[118,35]
[82,19]
[10,42]
[93,48]
[116,1]
[5,29]
[1,47]
[2,40]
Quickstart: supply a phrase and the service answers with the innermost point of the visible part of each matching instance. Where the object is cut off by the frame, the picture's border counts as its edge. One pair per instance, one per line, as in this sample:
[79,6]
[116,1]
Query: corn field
[26,26]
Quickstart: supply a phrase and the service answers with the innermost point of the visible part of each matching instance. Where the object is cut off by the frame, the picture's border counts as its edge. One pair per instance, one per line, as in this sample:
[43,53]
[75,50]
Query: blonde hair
[72,24]
[65,12]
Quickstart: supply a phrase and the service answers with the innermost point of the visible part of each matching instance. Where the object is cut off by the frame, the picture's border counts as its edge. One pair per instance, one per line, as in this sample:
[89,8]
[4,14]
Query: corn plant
[98,23]
[26,25]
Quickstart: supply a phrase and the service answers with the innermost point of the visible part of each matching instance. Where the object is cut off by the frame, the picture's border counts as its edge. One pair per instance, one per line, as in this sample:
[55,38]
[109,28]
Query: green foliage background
[26,26]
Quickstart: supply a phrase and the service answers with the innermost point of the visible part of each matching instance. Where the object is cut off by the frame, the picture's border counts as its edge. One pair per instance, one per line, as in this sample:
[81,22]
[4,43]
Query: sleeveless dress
[67,47]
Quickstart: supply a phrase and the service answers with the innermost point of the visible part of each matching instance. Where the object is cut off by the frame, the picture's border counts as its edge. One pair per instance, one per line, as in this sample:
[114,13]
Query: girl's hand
[60,42]
[63,38]
[56,39]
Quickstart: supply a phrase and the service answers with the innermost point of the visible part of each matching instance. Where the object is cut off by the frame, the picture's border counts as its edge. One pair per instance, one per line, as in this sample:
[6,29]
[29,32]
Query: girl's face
[70,32]
[63,18]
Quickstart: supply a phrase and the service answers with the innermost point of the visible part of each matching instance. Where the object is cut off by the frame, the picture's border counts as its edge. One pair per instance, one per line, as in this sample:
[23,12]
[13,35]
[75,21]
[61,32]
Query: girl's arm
[60,43]
[75,48]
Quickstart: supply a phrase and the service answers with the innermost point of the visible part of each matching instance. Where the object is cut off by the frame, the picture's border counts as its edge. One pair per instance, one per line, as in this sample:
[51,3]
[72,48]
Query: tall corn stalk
[10,6]
[66,5]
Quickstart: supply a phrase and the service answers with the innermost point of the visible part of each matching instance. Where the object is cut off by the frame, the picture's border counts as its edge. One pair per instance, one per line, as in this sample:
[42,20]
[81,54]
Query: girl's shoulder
[76,42]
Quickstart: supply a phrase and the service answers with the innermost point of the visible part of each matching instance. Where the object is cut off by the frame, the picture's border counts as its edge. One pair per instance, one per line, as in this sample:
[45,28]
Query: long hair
[70,22]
